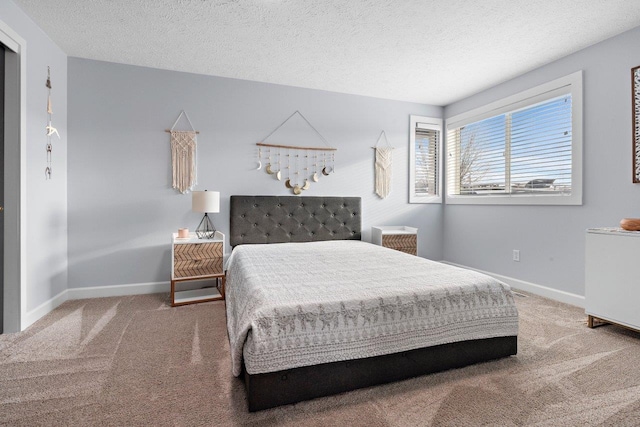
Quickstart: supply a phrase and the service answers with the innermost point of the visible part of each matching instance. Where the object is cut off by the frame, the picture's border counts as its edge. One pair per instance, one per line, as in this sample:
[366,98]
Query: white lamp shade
[205,201]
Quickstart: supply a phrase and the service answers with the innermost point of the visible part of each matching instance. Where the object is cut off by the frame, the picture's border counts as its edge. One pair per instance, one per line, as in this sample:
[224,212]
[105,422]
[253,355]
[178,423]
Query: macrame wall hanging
[50,130]
[184,156]
[297,165]
[384,160]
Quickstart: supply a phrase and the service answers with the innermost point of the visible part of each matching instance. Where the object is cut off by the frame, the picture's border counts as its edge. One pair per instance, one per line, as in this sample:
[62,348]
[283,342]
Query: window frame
[571,84]
[431,123]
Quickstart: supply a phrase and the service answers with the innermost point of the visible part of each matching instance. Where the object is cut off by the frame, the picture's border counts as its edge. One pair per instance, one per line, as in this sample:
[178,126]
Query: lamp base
[205,229]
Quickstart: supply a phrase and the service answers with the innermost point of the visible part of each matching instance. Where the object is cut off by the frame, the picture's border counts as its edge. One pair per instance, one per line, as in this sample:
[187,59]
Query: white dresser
[612,276]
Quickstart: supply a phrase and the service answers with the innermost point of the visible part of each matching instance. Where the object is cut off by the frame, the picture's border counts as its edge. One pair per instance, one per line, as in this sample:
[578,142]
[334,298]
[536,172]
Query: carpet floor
[136,361]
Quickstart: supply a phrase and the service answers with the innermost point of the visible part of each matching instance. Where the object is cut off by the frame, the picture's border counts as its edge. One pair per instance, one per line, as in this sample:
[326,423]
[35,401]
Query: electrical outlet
[516,255]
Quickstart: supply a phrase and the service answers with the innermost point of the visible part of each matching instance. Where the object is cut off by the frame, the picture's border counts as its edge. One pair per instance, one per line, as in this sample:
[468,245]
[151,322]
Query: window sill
[510,199]
[425,199]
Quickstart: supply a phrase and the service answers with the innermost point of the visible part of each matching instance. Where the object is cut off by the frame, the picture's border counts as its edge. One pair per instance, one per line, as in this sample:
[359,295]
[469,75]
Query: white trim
[92,292]
[543,291]
[520,199]
[435,124]
[23,182]
[46,307]
[12,40]
[567,84]
[119,290]
[517,101]
[159,287]
[9,38]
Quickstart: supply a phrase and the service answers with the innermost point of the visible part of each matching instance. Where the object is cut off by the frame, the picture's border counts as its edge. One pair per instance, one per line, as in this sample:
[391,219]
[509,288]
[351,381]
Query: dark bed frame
[281,219]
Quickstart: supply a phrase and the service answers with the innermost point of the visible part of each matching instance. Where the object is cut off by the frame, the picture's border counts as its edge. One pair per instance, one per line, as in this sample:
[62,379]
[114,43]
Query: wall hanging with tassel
[384,160]
[184,156]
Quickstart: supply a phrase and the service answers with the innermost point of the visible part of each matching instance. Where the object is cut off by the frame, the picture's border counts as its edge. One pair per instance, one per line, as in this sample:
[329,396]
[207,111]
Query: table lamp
[207,202]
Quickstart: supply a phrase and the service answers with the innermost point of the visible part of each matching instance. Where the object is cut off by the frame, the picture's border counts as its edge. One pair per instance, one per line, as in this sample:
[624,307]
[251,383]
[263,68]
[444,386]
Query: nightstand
[400,238]
[197,259]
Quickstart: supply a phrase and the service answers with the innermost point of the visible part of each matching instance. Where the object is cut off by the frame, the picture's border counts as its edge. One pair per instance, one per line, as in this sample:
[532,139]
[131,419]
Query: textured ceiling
[433,52]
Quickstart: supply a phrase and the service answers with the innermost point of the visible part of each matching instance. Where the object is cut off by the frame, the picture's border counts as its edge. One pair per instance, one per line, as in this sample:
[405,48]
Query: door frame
[15,213]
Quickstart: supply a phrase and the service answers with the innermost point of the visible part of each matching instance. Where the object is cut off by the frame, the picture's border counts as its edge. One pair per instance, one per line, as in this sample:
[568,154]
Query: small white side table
[197,259]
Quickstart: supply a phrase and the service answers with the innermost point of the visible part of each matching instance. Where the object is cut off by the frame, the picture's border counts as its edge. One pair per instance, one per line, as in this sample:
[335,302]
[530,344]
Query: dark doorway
[2,68]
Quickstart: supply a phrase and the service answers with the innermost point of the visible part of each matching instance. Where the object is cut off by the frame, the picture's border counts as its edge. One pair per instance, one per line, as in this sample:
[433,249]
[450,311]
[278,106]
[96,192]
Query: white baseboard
[157,287]
[543,291]
[119,290]
[92,292]
[32,316]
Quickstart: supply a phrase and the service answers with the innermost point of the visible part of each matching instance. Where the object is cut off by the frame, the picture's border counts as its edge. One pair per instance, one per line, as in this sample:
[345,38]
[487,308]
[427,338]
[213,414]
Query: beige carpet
[136,361]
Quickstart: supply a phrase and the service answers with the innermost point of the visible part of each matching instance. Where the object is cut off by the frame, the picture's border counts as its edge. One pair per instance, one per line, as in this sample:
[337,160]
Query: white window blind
[527,152]
[478,165]
[426,161]
[541,147]
[425,144]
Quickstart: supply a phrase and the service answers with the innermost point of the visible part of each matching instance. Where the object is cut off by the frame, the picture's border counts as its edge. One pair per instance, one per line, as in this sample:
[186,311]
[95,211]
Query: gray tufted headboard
[281,219]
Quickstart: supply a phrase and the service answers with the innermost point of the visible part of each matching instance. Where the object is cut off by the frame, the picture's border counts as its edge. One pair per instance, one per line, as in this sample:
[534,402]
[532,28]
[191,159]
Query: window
[425,142]
[526,149]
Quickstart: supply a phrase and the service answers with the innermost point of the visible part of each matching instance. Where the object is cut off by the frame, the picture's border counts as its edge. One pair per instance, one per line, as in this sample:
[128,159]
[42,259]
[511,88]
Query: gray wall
[46,200]
[551,238]
[122,209]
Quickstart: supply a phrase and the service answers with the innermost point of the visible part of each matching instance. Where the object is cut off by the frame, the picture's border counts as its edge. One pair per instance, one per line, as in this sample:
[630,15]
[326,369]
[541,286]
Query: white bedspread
[300,304]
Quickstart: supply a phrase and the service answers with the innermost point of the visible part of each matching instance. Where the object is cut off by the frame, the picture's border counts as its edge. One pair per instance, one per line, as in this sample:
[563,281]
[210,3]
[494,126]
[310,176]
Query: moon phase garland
[50,130]
[259,159]
[297,160]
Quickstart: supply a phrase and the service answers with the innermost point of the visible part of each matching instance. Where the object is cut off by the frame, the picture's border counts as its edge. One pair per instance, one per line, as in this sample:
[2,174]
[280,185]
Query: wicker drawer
[410,251]
[197,259]
[189,251]
[400,242]
[197,267]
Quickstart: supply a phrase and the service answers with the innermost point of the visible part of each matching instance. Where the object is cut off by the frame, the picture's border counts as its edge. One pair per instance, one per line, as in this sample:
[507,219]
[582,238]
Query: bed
[314,311]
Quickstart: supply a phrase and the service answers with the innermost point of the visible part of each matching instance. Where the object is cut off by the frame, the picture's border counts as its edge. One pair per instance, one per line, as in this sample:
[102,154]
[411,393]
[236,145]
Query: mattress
[301,304]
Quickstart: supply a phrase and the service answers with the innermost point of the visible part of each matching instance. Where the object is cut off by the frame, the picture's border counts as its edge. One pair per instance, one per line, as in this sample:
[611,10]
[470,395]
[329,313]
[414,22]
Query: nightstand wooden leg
[224,279]
[173,293]
[590,321]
